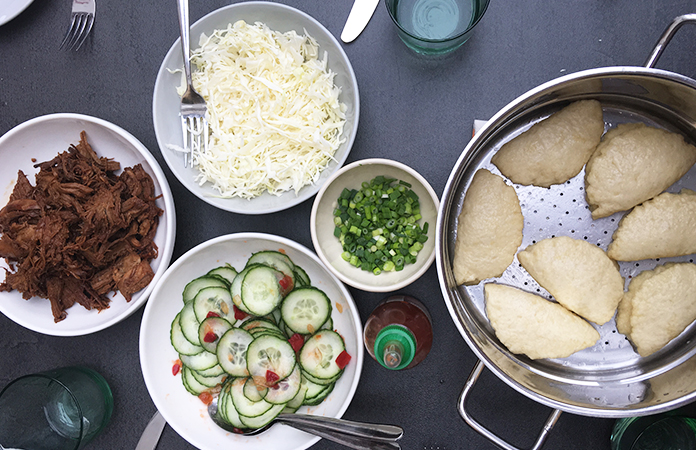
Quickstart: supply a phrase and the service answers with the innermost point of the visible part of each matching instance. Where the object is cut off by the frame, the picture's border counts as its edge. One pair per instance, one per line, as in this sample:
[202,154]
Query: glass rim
[61,384]
[437,41]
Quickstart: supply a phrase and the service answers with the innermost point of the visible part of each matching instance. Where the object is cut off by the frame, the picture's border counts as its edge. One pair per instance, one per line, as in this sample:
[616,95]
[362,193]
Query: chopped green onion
[377,225]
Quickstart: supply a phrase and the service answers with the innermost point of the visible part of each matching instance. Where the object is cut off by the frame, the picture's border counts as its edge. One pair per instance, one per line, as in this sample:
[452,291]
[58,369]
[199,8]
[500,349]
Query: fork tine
[80,28]
[205,136]
[87,27]
[69,33]
[187,144]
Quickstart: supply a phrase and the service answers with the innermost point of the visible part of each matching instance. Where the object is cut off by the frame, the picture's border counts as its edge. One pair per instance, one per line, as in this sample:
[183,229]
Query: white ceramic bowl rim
[164,251]
[352,282]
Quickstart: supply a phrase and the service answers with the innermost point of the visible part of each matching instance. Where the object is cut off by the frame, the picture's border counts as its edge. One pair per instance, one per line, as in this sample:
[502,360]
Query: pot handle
[666,37]
[550,422]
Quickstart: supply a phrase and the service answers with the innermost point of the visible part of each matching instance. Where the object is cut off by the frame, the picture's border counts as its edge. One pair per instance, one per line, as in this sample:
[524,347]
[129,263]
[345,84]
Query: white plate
[185,413]
[41,139]
[166,102]
[9,9]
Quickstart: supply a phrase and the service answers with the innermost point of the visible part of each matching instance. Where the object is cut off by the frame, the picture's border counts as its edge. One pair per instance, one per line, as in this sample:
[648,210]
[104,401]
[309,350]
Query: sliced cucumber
[190,383]
[304,310]
[313,389]
[301,277]
[296,402]
[252,391]
[189,324]
[260,290]
[211,330]
[263,419]
[182,345]
[226,272]
[231,351]
[236,288]
[242,404]
[251,325]
[286,389]
[210,382]
[199,283]
[230,412]
[275,259]
[313,401]
[318,354]
[217,300]
[270,353]
[321,381]
[201,361]
[213,371]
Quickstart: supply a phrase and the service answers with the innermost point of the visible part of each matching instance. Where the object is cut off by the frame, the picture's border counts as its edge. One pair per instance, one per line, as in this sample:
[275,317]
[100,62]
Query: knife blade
[152,433]
[359,16]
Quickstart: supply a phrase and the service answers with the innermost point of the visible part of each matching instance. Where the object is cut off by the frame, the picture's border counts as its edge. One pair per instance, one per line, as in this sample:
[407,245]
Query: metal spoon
[356,435]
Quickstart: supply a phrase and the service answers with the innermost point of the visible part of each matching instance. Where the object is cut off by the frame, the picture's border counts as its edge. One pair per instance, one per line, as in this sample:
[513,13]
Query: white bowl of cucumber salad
[215,316]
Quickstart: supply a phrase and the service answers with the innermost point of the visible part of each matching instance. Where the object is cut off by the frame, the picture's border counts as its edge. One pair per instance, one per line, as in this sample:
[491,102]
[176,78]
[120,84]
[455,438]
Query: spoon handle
[341,427]
[348,440]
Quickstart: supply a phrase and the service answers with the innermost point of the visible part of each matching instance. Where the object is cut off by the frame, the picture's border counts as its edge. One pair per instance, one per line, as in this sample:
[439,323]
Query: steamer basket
[610,379]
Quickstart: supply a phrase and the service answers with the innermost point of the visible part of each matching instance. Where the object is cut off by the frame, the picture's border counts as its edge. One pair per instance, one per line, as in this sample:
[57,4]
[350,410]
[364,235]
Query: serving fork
[81,21]
[193,108]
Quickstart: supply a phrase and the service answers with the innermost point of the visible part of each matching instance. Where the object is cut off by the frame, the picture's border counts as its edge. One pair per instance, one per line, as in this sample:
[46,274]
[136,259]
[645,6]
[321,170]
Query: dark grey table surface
[415,111]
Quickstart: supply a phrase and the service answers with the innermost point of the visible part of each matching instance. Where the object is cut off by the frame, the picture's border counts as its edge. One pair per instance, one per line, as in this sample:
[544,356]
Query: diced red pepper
[343,359]
[271,378]
[176,368]
[286,284]
[239,314]
[297,341]
[206,397]
[210,337]
[212,314]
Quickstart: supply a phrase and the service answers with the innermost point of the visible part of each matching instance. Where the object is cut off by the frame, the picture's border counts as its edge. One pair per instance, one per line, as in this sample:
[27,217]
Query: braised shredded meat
[81,232]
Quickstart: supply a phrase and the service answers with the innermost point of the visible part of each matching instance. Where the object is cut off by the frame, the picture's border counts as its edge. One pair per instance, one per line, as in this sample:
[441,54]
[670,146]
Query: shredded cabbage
[273,110]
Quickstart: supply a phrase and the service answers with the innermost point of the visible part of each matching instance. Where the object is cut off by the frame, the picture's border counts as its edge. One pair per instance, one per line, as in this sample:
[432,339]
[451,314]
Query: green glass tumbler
[62,409]
[660,432]
[435,27]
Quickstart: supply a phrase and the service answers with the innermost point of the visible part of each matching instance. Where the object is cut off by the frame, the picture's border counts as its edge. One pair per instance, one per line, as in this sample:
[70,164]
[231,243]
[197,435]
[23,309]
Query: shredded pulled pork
[81,232]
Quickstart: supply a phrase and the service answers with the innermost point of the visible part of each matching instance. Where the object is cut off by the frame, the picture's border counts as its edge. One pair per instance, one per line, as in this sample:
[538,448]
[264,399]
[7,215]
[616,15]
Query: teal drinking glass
[659,432]
[435,27]
[62,409]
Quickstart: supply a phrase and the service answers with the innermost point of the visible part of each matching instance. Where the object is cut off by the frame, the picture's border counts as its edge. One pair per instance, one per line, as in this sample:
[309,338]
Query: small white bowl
[328,246]
[184,412]
[41,139]
[166,101]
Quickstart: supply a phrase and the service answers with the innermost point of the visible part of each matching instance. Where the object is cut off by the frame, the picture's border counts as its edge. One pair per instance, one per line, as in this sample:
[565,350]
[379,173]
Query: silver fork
[81,21]
[193,108]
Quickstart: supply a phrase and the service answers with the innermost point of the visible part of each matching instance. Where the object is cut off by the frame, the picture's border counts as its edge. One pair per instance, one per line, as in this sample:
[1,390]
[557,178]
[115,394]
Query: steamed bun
[554,150]
[658,306]
[632,164]
[662,227]
[489,229]
[529,324]
[578,274]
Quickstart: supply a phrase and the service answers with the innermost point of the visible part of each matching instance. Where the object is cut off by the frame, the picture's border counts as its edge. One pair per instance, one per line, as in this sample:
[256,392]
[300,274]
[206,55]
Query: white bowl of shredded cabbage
[283,107]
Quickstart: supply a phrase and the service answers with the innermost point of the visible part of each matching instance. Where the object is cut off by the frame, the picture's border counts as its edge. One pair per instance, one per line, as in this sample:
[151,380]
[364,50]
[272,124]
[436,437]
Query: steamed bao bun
[489,229]
[662,227]
[658,306]
[554,150]
[578,274]
[632,164]
[529,324]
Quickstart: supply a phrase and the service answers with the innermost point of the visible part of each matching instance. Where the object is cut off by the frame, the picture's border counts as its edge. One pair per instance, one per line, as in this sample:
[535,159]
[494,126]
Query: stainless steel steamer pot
[609,380]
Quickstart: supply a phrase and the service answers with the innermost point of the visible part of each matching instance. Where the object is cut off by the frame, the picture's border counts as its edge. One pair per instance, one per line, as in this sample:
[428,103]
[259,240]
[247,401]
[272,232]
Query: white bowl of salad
[199,323]
[282,114]
[373,224]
